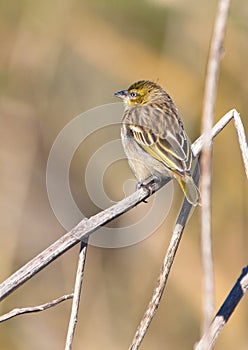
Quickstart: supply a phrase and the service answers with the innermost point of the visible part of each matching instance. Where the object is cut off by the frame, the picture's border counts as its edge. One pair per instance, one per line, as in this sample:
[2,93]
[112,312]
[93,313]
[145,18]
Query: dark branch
[210,336]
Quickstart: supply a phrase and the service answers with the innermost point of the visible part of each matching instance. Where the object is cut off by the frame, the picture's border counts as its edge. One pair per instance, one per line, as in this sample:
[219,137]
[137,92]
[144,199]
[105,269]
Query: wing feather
[163,137]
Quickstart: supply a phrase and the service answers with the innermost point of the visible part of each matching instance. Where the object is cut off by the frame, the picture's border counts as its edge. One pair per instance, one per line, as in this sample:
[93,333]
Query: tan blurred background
[59,59]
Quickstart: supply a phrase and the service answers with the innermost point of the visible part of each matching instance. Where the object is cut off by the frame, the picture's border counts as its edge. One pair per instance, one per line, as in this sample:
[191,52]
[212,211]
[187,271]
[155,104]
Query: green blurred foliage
[59,59]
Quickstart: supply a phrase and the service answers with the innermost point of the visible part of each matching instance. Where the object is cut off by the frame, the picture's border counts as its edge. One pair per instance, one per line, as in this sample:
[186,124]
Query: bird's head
[140,93]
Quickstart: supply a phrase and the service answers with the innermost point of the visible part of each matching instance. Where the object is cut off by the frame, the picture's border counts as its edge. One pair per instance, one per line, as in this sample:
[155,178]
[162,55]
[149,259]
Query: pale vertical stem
[206,158]
[76,296]
[164,272]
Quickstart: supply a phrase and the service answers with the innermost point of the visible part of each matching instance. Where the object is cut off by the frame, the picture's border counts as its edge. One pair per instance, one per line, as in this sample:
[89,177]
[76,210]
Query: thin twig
[163,276]
[240,288]
[88,226]
[242,139]
[218,127]
[26,310]
[206,158]
[77,294]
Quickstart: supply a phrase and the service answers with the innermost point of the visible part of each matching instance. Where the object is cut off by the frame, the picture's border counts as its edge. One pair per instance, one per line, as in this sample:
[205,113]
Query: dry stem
[206,158]
[77,294]
[26,310]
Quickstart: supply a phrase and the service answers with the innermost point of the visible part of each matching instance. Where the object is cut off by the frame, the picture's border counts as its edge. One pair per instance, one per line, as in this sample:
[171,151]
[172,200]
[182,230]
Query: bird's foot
[148,186]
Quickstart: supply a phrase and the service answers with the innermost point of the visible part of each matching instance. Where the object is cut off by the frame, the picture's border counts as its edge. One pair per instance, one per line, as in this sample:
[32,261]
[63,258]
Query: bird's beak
[121,94]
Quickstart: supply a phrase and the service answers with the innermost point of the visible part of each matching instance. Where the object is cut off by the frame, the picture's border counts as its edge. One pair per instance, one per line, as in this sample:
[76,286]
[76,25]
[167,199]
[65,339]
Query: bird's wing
[163,137]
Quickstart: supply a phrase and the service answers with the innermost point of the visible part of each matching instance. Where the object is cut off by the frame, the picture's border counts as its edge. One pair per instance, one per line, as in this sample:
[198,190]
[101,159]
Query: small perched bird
[154,138]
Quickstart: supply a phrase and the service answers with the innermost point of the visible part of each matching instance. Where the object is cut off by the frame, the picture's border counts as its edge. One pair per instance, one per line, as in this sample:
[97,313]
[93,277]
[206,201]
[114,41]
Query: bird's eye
[133,94]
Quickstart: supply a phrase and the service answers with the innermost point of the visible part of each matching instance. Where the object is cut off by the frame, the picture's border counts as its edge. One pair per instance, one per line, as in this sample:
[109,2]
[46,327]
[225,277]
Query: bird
[154,138]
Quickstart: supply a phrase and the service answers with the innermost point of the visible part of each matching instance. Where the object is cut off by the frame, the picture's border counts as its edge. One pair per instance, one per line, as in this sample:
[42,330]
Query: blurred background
[61,58]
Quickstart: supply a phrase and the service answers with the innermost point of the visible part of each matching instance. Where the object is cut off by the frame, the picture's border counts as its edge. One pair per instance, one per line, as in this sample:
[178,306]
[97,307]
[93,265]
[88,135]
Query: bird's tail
[189,188]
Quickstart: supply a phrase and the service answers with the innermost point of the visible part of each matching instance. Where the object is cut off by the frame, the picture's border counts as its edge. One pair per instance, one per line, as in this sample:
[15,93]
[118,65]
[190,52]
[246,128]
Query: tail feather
[189,189]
